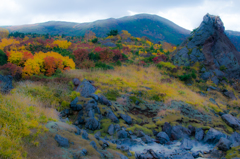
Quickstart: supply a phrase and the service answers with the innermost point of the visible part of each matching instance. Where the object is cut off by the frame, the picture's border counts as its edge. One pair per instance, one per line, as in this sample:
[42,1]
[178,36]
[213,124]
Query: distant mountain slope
[234,36]
[152,26]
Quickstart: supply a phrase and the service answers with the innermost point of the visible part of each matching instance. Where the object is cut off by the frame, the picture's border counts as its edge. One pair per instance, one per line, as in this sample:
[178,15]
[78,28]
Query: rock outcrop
[209,45]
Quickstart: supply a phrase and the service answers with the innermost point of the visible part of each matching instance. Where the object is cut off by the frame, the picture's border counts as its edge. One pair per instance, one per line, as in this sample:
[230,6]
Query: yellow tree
[89,35]
[3,33]
[125,34]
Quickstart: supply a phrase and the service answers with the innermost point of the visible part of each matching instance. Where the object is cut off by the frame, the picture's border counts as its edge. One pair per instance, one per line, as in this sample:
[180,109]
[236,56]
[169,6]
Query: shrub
[223,68]
[159,58]
[103,66]
[148,59]
[86,64]
[118,63]
[185,77]
[63,44]
[94,56]
[167,65]
[95,40]
[64,52]
[12,69]
[106,55]
[3,58]
[80,55]
[112,33]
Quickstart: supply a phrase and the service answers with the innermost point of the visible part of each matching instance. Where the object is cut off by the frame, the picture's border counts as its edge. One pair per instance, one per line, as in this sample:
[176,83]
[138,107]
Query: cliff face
[209,45]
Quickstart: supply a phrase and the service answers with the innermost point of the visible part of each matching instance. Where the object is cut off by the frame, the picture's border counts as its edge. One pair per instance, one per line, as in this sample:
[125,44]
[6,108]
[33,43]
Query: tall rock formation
[209,45]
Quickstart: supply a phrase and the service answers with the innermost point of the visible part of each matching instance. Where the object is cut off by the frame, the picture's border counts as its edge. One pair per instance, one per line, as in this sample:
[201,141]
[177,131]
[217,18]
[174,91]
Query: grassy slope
[152,26]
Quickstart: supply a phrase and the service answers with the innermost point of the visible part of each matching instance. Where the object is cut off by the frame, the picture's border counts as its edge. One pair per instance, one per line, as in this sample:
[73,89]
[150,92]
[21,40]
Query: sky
[185,13]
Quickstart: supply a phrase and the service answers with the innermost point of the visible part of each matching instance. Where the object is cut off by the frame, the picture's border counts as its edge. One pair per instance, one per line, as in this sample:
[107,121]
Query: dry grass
[137,78]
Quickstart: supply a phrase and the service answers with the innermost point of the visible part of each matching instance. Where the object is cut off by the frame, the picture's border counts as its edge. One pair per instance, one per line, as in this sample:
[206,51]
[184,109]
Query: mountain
[234,36]
[210,46]
[154,27]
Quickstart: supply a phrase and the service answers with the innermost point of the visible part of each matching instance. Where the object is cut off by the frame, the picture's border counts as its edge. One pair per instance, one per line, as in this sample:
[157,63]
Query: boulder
[231,121]
[117,127]
[126,118]
[85,135]
[93,96]
[109,44]
[104,100]
[97,135]
[186,144]
[163,138]
[85,88]
[213,136]
[112,116]
[140,133]
[74,106]
[224,144]
[199,133]
[147,139]
[235,139]
[92,124]
[93,144]
[111,130]
[62,142]
[229,94]
[122,134]
[84,152]
[192,129]
[76,82]
[6,83]
[122,156]
[167,128]
[78,132]
[179,132]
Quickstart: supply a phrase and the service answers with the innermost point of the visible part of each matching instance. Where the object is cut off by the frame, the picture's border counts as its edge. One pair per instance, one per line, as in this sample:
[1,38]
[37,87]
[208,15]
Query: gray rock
[213,136]
[213,101]
[167,128]
[85,135]
[229,94]
[147,139]
[112,116]
[235,139]
[122,156]
[6,83]
[86,88]
[215,80]
[91,114]
[206,75]
[93,144]
[224,144]
[84,152]
[126,118]
[231,121]
[111,129]
[74,106]
[163,138]
[97,135]
[104,100]
[186,144]
[78,132]
[92,124]
[183,156]
[62,142]
[76,82]
[94,96]
[117,127]
[199,133]
[192,129]
[122,134]
[179,132]
[140,133]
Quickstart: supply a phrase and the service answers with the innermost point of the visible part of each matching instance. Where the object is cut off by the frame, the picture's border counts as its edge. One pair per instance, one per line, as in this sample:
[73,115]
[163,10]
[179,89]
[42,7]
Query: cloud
[186,13]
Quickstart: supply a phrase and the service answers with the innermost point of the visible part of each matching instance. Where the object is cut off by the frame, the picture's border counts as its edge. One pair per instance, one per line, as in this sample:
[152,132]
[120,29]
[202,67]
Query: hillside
[234,36]
[152,26]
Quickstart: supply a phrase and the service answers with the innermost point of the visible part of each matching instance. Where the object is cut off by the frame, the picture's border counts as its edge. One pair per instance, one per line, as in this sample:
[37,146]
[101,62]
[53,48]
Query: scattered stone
[62,142]
[199,133]
[85,88]
[213,136]
[92,124]
[163,138]
[231,121]
[224,144]
[111,129]
[126,118]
